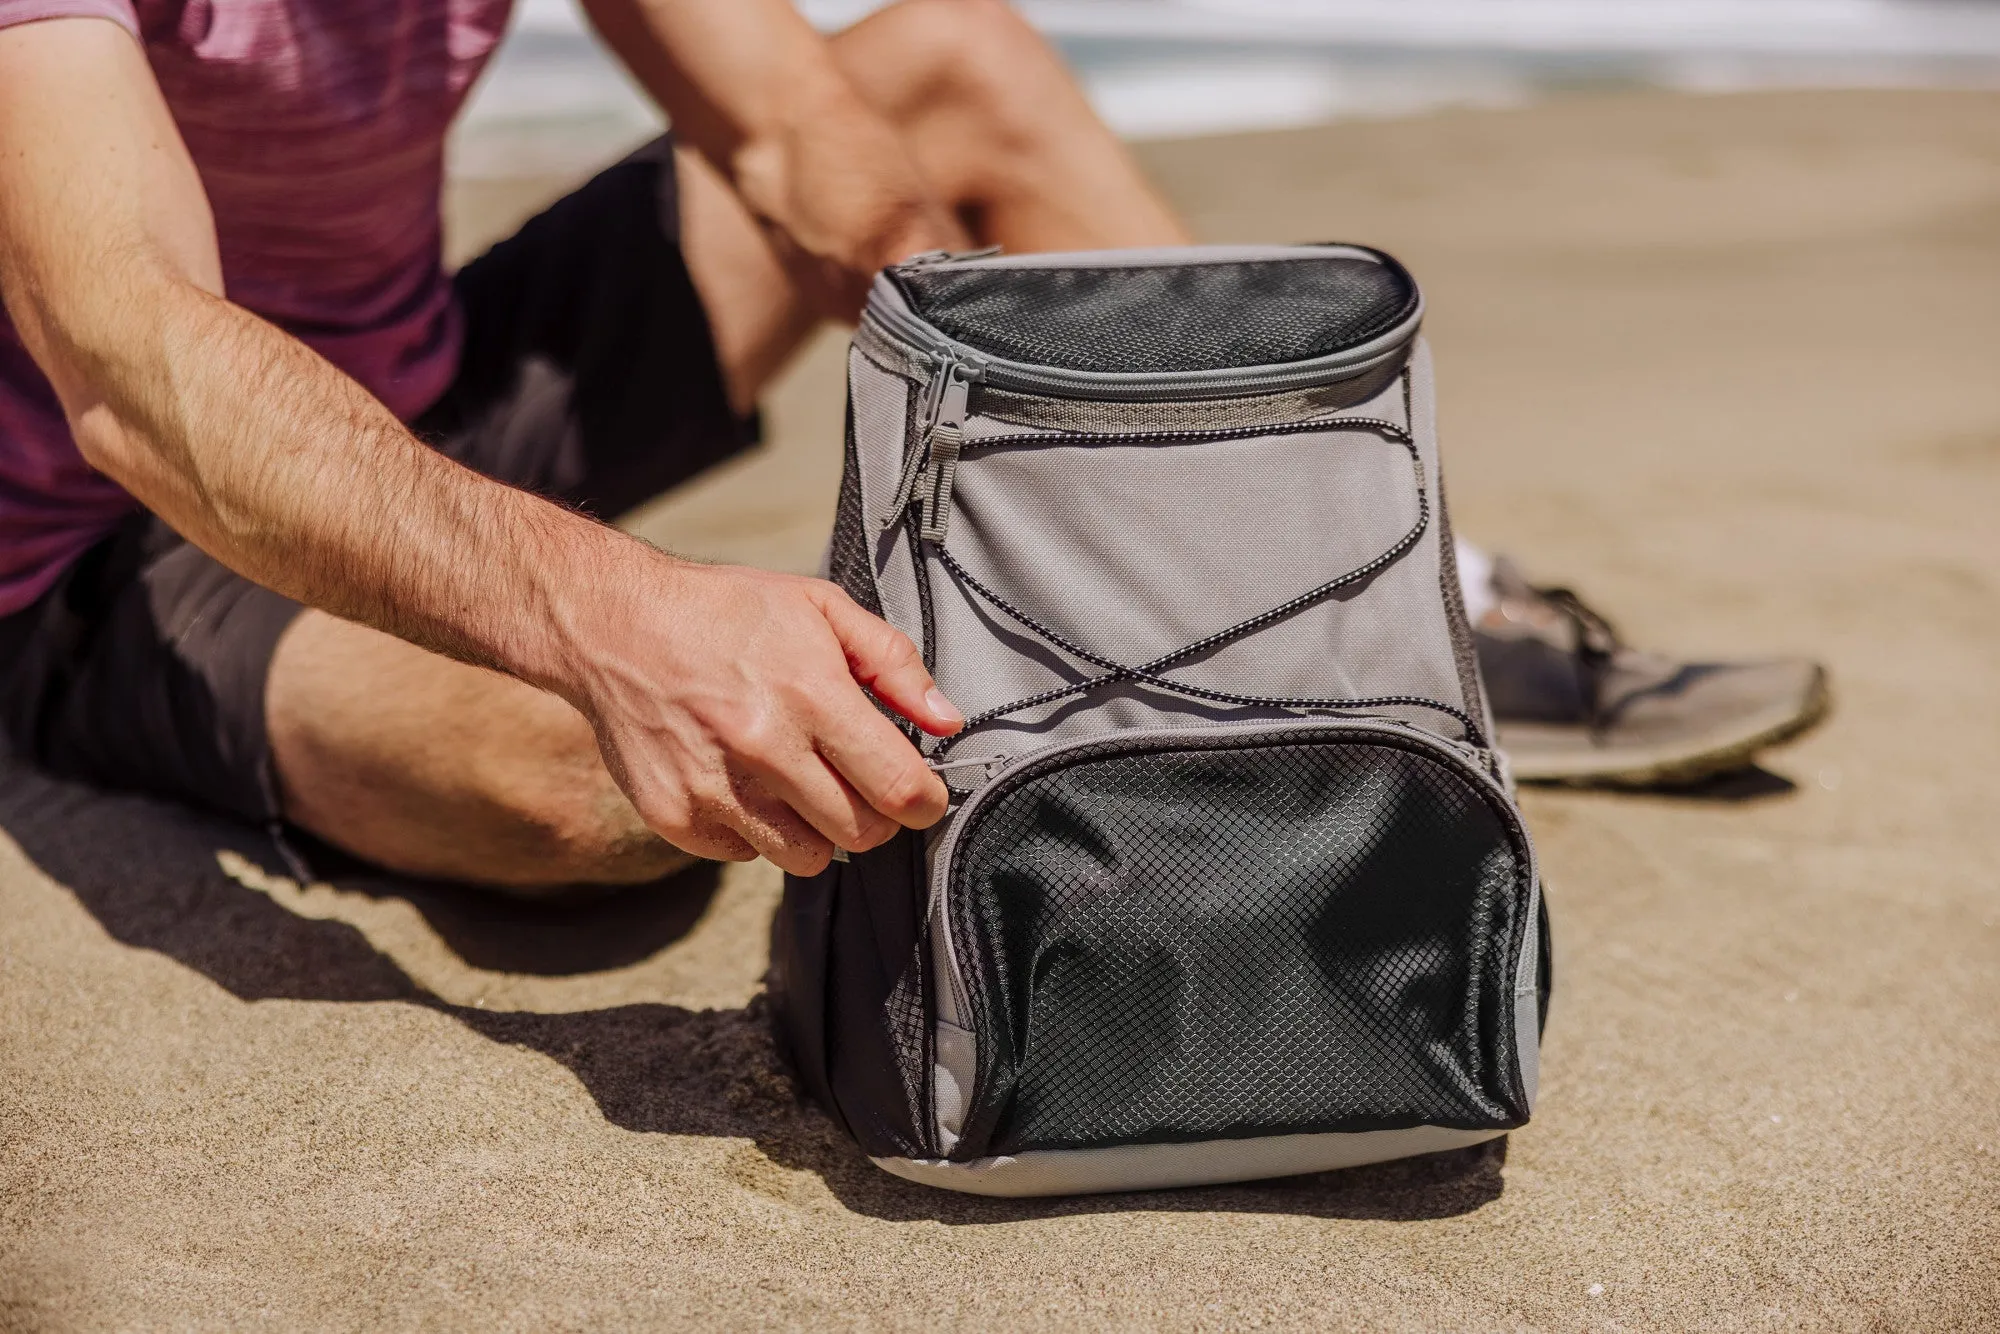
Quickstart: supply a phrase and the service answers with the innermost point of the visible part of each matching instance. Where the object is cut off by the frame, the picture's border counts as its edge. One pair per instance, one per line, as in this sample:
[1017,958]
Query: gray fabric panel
[1429,632]
[1158,1166]
[953,1080]
[881,405]
[980,429]
[888,354]
[1527,999]
[1065,414]
[1136,550]
[1423,409]
[955,1046]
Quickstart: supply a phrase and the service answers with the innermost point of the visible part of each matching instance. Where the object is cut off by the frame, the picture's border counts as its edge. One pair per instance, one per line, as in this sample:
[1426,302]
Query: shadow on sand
[1735,787]
[147,871]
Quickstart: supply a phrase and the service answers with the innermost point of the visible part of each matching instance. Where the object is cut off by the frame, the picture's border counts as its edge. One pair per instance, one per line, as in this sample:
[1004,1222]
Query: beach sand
[1727,364]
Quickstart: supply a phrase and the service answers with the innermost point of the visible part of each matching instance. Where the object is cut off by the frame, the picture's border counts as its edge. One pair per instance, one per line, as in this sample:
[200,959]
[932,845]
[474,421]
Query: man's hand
[727,706]
[728,702]
[750,84]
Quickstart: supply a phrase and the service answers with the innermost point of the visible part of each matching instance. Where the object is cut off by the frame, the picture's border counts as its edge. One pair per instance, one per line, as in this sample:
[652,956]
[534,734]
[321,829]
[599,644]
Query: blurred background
[1678,202]
[1172,68]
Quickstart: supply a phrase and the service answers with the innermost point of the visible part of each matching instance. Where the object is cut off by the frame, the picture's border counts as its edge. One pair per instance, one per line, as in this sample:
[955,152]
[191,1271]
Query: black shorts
[588,374]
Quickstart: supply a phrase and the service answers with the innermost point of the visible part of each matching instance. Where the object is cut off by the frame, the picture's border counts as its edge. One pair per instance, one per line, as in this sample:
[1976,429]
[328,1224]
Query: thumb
[883,659]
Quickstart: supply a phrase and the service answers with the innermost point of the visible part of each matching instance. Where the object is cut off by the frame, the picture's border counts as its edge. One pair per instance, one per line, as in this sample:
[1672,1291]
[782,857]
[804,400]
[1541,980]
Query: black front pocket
[1185,938]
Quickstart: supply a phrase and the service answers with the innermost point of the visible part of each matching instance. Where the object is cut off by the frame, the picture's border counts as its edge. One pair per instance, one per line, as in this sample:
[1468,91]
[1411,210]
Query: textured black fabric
[876,1004]
[143,668]
[1180,317]
[589,371]
[847,561]
[797,981]
[1545,958]
[1228,939]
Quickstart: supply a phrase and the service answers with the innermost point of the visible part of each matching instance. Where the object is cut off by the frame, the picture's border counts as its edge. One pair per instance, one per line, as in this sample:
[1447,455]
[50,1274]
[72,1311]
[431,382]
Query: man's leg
[998,128]
[432,767]
[1001,130]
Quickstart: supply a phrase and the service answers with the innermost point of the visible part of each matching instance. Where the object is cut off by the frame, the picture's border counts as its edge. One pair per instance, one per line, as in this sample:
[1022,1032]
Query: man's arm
[725,700]
[756,90]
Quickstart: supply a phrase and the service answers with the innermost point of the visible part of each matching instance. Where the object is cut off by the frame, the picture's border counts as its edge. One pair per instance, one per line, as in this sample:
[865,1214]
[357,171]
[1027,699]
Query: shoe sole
[1674,766]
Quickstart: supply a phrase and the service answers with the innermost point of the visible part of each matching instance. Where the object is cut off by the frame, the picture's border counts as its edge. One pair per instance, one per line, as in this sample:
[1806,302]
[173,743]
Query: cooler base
[1159,1166]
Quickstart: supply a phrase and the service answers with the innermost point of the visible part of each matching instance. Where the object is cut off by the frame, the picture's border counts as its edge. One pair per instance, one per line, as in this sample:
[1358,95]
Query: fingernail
[945,710]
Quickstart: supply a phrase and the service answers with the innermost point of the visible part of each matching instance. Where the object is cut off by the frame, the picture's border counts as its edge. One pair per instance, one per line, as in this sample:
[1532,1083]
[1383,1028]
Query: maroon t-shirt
[318,128]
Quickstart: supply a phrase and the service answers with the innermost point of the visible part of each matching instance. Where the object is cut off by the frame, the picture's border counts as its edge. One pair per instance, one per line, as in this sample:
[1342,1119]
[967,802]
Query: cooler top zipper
[890,313]
[1137,257]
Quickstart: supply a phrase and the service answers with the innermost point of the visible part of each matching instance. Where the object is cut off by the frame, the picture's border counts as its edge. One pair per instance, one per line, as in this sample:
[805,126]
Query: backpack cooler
[1233,884]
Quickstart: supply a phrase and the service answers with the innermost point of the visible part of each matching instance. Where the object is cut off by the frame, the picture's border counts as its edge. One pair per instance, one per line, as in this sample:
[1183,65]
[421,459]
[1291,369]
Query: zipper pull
[944,420]
[947,436]
[945,257]
[906,487]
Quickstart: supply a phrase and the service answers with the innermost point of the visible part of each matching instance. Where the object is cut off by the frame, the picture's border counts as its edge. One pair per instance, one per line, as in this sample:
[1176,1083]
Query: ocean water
[554,99]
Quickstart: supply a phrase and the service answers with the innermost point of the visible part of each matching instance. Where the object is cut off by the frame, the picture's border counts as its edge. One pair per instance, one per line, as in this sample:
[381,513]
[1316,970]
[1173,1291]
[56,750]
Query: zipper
[929,471]
[1393,431]
[1473,761]
[891,315]
[933,462]
[1140,257]
[898,322]
[928,258]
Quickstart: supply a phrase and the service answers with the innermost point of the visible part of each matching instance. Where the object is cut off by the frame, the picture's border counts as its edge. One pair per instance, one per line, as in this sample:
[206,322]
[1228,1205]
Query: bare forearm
[287,471]
[239,435]
[728,703]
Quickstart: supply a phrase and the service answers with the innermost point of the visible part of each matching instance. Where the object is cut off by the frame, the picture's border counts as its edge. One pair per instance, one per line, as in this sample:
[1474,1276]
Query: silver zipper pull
[906,487]
[947,436]
[928,257]
[944,423]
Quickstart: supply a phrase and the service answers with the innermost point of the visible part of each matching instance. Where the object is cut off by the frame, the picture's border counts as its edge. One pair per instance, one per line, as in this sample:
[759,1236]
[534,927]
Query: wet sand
[1726,364]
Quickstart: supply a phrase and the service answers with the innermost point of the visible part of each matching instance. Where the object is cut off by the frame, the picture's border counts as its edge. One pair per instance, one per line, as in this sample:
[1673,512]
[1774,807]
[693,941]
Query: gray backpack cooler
[1233,884]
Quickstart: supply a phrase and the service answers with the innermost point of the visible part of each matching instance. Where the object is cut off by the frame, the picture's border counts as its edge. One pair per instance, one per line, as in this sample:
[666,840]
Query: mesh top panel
[1213,943]
[1182,317]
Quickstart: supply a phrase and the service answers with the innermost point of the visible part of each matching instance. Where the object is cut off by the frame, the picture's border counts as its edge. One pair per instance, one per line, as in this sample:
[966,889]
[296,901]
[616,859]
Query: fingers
[808,785]
[717,844]
[865,748]
[771,826]
[730,816]
[880,764]
[883,659]
[763,739]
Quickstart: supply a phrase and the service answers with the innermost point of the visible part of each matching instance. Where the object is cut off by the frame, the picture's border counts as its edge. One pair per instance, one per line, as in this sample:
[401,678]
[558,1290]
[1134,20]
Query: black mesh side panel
[847,558]
[907,1018]
[877,1027]
[798,977]
[1182,317]
[1231,940]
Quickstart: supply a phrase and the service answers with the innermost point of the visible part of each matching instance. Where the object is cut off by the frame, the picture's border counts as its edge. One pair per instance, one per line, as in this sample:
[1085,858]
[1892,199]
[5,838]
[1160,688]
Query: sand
[1728,364]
